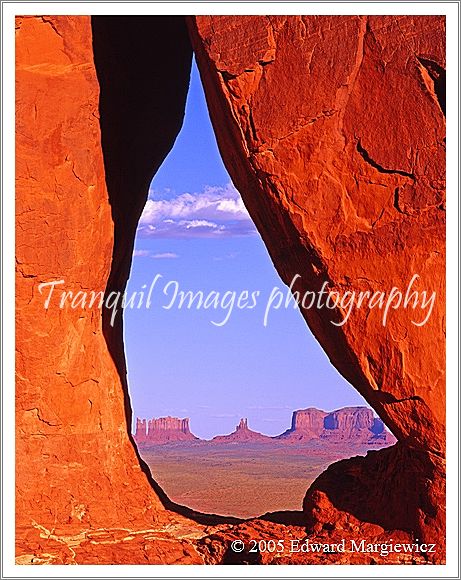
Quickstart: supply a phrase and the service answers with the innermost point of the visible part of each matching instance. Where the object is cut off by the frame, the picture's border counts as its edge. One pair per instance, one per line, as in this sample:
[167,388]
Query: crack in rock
[366,156]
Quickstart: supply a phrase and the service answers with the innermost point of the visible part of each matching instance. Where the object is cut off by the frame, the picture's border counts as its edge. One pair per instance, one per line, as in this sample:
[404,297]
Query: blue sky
[196,234]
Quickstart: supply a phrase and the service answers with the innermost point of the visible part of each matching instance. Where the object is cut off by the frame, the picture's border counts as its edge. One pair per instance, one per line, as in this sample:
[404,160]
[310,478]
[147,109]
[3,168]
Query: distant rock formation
[354,424]
[140,434]
[242,434]
[163,430]
[305,424]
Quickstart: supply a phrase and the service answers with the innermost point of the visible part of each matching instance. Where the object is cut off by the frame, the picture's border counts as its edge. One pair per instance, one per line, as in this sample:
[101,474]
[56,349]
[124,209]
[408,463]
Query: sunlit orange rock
[82,495]
[334,133]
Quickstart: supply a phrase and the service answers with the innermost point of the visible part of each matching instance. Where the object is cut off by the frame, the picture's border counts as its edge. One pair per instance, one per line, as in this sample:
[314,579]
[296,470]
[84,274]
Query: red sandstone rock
[163,430]
[305,424]
[79,479]
[140,434]
[242,434]
[351,424]
[390,477]
[289,535]
[315,118]
[356,425]
[334,134]
[350,420]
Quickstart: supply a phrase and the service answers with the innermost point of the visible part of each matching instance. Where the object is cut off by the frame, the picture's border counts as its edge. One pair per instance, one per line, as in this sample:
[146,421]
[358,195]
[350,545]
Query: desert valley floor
[242,480]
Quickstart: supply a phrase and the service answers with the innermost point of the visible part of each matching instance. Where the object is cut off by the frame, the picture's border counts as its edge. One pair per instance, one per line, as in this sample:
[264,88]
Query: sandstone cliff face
[163,430]
[319,121]
[307,422]
[80,486]
[334,134]
[352,424]
[355,423]
[350,420]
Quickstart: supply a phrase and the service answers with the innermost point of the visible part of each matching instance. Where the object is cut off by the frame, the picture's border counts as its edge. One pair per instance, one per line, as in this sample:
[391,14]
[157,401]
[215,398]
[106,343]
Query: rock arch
[334,135]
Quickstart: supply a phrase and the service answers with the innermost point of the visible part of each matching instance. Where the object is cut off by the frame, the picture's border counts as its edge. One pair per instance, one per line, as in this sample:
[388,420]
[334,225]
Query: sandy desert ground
[241,480]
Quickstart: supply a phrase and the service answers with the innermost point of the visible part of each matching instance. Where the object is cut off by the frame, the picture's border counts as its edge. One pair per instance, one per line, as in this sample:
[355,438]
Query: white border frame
[9,10]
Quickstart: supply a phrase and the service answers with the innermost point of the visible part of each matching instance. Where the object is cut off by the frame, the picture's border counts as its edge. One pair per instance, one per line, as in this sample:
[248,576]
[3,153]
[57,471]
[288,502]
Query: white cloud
[141,253]
[214,212]
[198,224]
[165,256]
[158,256]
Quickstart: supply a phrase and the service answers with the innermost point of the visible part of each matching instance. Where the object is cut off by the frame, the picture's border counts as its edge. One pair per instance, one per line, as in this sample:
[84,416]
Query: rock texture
[332,128]
[81,493]
[216,547]
[307,423]
[352,424]
[334,133]
[242,434]
[163,430]
[389,477]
